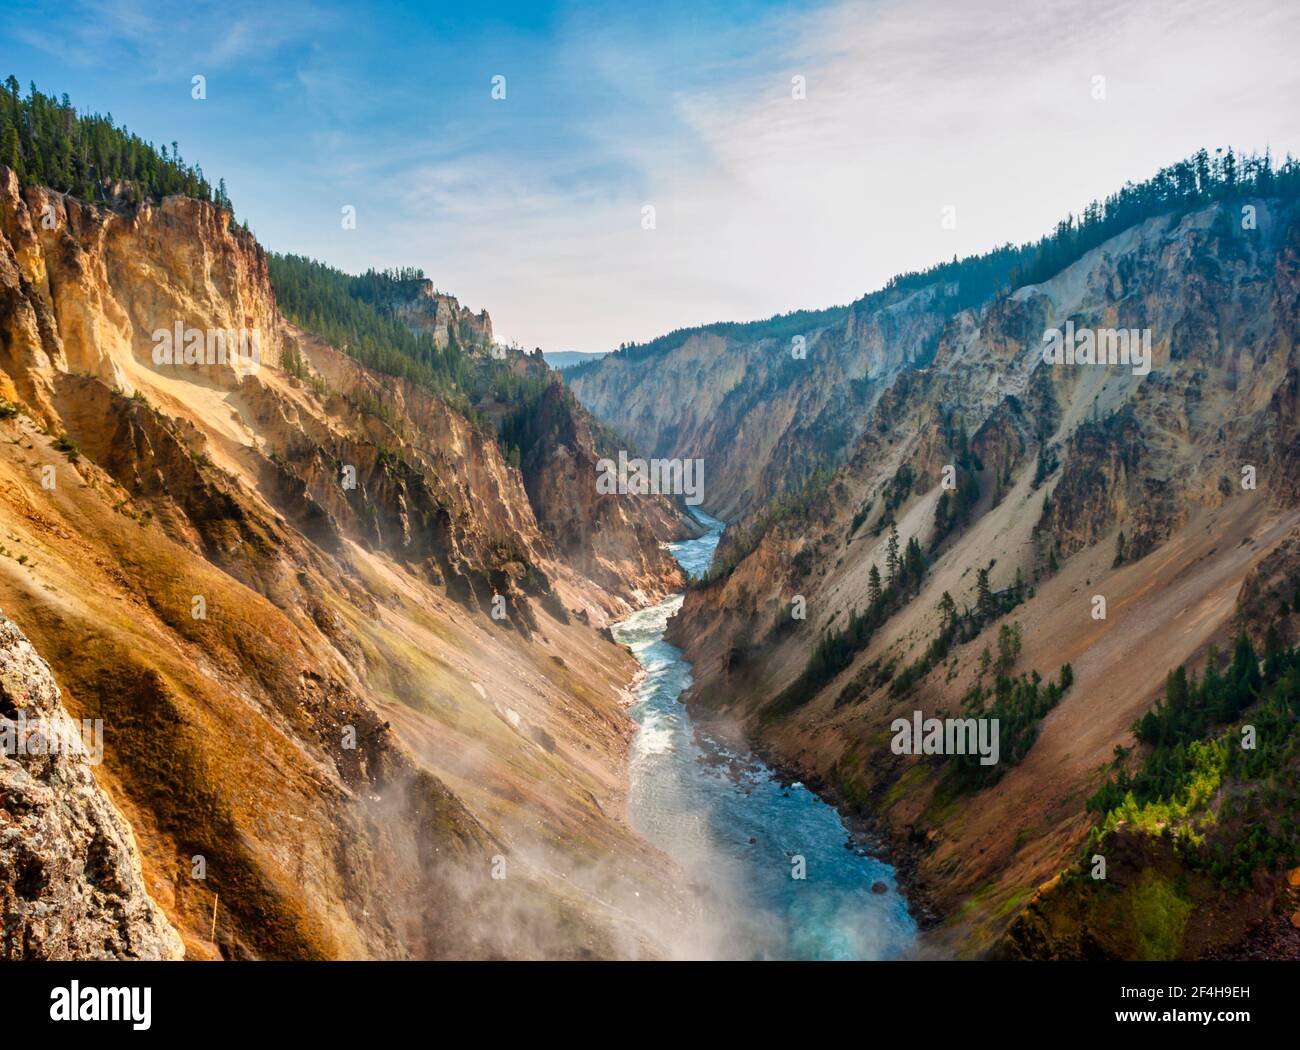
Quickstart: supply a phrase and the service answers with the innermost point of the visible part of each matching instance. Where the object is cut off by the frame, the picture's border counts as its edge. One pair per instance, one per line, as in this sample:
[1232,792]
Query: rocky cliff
[765,413]
[1170,495]
[608,537]
[70,880]
[425,309]
[355,697]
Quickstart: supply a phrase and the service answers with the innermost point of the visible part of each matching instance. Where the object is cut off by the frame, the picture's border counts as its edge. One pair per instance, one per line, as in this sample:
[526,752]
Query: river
[737,832]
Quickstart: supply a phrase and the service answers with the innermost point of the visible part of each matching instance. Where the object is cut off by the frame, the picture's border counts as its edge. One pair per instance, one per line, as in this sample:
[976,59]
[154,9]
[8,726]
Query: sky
[533,206]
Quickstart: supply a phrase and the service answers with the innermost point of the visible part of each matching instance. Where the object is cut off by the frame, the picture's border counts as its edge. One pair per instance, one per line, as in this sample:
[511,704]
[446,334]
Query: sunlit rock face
[70,879]
[278,589]
[420,306]
[1170,491]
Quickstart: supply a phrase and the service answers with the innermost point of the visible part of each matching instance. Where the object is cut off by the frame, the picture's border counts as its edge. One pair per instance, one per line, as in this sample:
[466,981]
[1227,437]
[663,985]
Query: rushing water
[737,832]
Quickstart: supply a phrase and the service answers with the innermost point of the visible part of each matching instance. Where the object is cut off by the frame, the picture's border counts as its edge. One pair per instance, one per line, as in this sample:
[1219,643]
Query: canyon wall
[355,694]
[1063,482]
[765,413]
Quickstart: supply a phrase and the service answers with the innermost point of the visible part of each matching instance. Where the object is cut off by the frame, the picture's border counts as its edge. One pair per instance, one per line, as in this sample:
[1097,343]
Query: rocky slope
[1050,464]
[768,404]
[611,539]
[765,413]
[356,701]
[70,880]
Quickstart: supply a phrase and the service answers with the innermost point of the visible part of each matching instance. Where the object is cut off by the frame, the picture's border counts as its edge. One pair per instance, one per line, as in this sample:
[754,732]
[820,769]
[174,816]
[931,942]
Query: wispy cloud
[766,203]
[532,206]
[147,36]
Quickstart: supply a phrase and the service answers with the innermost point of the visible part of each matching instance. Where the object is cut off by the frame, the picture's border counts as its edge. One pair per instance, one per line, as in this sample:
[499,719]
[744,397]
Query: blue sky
[532,206]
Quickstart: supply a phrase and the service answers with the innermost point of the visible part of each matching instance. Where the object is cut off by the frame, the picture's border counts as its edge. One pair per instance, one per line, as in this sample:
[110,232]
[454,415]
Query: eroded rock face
[1172,494]
[326,732]
[613,539]
[70,880]
[88,291]
[764,414]
[440,315]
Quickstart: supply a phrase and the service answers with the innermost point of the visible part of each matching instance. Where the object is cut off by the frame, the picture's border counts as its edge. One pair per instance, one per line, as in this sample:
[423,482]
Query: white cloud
[766,204]
[139,35]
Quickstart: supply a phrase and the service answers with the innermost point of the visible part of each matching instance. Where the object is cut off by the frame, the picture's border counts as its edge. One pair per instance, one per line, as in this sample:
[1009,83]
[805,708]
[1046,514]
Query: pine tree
[947,611]
[984,603]
[914,564]
[873,585]
[891,554]
[9,152]
[1274,653]
[48,143]
[942,517]
[1176,691]
[1008,646]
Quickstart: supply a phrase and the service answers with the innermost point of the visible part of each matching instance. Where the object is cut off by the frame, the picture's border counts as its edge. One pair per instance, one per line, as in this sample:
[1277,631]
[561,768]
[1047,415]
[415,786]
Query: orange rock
[1295,920]
[1293,877]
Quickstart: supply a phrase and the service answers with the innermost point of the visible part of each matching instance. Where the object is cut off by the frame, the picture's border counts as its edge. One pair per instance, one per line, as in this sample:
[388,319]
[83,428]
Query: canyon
[276,590]
[1031,487]
[404,645]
